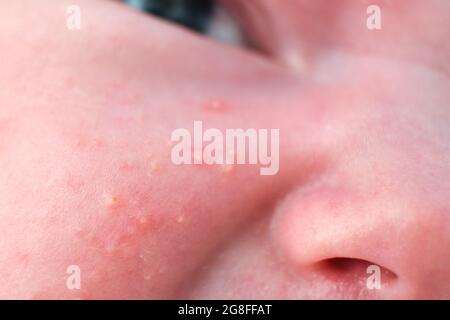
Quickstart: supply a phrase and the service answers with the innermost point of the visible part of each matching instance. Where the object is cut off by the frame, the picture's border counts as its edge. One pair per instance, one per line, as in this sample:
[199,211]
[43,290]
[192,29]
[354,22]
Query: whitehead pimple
[110,201]
[153,167]
[143,220]
[180,218]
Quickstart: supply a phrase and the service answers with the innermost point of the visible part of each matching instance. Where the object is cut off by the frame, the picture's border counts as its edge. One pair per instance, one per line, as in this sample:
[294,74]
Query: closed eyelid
[193,14]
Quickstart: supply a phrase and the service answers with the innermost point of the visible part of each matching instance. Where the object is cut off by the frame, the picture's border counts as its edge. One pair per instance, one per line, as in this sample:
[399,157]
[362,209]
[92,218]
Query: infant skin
[87,179]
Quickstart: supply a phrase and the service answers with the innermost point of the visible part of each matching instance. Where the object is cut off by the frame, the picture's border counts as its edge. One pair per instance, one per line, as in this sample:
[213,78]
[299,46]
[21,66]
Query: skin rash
[86,178]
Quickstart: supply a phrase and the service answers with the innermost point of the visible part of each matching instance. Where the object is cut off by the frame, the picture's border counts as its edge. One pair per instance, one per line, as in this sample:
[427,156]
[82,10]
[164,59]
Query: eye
[207,17]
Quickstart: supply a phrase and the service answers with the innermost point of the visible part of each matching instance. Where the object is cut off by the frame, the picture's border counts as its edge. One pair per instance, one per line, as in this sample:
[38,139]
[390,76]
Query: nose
[364,245]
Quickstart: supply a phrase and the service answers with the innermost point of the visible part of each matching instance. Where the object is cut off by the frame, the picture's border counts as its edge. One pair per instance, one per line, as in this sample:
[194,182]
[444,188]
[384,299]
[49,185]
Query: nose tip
[364,246]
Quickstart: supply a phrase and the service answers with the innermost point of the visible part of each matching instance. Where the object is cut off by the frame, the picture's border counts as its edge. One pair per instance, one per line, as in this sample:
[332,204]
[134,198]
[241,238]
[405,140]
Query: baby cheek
[72,199]
[113,253]
[130,218]
[118,242]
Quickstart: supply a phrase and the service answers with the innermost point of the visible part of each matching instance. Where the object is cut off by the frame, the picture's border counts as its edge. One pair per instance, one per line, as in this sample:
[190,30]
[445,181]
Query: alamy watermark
[374,280]
[373,21]
[73,19]
[73,281]
[233,146]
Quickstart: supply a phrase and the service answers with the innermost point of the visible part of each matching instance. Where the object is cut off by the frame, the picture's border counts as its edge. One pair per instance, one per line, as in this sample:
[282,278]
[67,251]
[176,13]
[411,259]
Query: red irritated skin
[86,177]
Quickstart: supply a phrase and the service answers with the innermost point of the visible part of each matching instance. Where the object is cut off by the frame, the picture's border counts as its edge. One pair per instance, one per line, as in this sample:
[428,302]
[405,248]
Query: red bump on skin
[180,218]
[258,237]
[121,230]
[154,166]
[142,220]
[144,224]
[215,106]
[110,201]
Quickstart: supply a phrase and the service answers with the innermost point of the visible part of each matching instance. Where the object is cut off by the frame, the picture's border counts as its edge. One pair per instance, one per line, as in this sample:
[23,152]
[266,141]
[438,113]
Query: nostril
[354,271]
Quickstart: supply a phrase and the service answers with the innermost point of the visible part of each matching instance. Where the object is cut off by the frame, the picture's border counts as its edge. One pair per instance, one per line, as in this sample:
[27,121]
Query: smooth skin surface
[86,177]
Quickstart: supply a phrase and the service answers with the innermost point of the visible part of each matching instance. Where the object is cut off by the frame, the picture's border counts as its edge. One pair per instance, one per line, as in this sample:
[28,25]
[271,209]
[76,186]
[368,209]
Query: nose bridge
[328,225]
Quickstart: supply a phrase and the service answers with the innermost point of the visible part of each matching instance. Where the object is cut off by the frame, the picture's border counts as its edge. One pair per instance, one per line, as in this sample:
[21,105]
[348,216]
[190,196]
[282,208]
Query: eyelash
[193,14]
[203,16]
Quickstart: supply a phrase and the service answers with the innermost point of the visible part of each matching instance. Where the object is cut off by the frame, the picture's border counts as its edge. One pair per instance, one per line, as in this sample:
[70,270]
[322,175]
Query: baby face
[89,186]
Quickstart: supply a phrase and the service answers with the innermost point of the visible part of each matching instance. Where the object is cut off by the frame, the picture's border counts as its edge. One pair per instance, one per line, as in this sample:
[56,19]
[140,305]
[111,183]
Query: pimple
[153,167]
[144,224]
[215,106]
[110,201]
[180,218]
[143,220]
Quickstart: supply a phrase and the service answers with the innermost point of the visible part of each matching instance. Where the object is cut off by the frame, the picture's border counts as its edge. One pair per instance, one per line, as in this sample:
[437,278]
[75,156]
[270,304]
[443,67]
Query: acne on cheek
[114,208]
[109,208]
[143,249]
[110,245]
[123,217]
[216,106]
